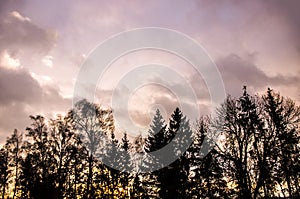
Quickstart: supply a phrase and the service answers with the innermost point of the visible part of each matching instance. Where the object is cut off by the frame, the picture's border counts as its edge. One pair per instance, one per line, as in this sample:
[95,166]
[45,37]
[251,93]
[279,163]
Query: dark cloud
[18,86]
[21,95]
[237,72]
[18,33]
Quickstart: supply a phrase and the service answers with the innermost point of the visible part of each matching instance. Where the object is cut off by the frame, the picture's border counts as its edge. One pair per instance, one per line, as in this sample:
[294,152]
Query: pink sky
[44,43]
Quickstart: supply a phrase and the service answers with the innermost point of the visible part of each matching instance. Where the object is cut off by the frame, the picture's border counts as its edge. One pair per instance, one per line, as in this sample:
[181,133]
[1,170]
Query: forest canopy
[256,156]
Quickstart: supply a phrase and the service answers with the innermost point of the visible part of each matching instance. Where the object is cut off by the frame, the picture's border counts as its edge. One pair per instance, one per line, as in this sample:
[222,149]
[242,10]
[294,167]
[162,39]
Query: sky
[43,45]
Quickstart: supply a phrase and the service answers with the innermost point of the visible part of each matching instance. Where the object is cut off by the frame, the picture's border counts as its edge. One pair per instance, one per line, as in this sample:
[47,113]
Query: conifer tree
[157,133]
[144,185]
[175,176]
[284,121]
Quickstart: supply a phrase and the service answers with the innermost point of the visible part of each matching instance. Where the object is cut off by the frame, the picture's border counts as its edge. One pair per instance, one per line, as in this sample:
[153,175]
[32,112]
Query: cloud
[8,61]
[22,95]
[19,16]
[48,61]
[237,71]
[268,29]
[19,33]
[43,80]
[23,44]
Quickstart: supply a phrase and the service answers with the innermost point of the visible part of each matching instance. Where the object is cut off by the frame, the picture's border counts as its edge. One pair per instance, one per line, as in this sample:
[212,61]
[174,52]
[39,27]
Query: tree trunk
[16,169]
[90,173]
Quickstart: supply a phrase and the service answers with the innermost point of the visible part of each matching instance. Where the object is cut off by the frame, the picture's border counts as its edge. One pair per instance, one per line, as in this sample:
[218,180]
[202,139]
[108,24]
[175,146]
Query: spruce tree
[284,121]
[144,185]
[157,133]
[157,138]
[126,164]
[175,176]
[206,173]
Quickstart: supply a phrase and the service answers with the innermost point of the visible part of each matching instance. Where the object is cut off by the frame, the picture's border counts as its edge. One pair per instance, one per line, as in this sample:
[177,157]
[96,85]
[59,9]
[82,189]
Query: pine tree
[144,184]
[112,159]
[195,157]
[125,165]
[175,176]
[284,121]
[206,173]
[157,138]
[157,133]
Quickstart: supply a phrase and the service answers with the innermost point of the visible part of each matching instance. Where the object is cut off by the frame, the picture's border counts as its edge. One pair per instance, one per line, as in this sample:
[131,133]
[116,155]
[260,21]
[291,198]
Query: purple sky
[44,43]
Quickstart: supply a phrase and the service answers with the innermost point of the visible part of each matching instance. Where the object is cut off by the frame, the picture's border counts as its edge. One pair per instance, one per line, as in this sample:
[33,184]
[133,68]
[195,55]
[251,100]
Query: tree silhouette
[236,118]
[13,147]
[176,175]
[144,185]
[206,173]
[63,139]
[261,145]
[38,168]
[156,134]
[284,121]
[126,164]
[156,139]
[92,124]
[4,171]
[112,157]
[79,155]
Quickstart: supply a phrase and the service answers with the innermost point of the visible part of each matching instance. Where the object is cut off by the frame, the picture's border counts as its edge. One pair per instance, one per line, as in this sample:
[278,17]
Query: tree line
[256,154]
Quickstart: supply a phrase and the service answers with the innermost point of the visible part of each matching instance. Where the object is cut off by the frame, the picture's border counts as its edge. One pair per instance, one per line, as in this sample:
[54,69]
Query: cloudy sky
[43,45]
